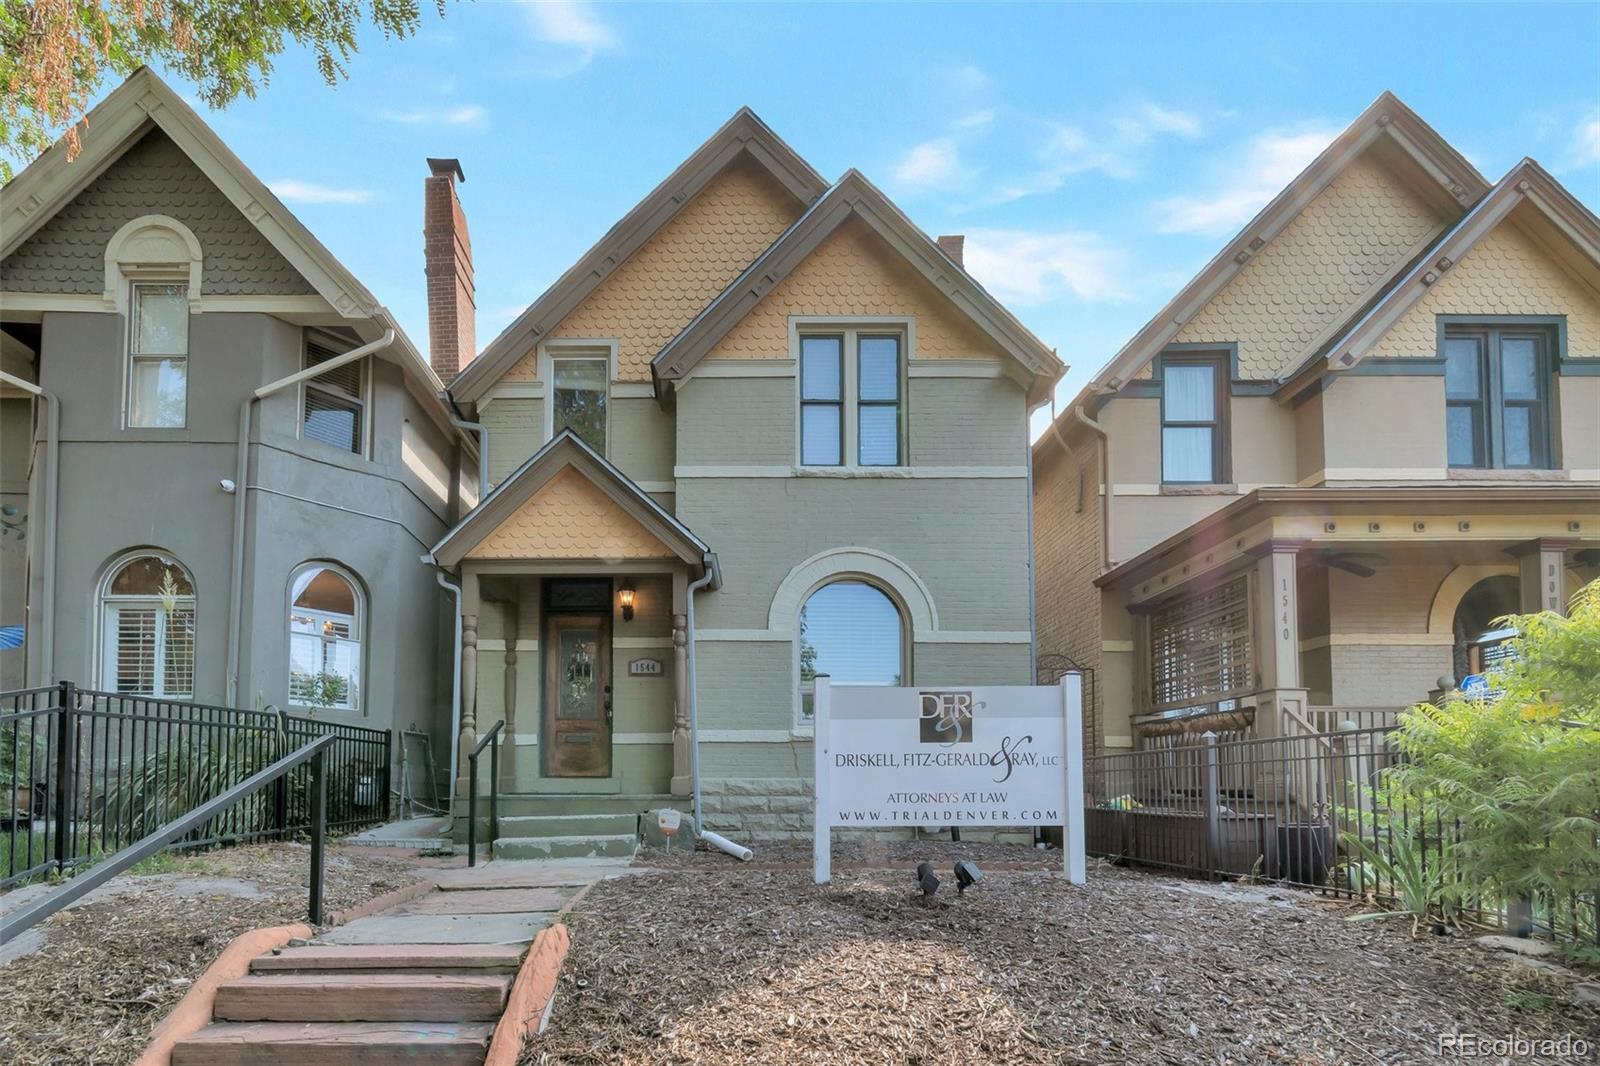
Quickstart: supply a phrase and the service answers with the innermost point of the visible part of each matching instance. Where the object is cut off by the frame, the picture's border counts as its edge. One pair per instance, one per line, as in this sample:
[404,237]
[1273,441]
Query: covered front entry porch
[574,618]
[1304,611]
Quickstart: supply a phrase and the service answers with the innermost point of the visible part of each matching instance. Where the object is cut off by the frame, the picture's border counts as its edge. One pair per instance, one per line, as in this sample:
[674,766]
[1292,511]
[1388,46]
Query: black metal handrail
[486,741]
[80,886]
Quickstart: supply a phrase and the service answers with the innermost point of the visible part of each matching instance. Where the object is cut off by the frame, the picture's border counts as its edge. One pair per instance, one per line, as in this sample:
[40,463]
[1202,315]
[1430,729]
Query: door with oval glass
[577,695]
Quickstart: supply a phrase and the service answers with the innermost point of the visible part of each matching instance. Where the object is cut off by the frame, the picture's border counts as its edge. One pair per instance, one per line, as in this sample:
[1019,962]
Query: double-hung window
[579,394]
[1191,421]
[1496,386]
[335,407]
[158,357]
[852,389]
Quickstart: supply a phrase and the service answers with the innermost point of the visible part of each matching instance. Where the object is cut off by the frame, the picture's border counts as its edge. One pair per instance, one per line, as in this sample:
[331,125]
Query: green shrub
[1518,773]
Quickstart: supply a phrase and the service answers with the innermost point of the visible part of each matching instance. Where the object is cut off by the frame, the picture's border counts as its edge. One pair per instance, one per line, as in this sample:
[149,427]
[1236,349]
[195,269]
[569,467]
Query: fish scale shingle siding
[854,272]
[1066,545]
[1506,273]
[570,518]
[1309,277]
[650,298]
[154,177]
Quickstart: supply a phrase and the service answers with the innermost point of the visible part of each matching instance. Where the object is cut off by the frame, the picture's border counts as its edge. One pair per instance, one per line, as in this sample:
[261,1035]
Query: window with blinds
[1200,649]
[335,402]
[149,627]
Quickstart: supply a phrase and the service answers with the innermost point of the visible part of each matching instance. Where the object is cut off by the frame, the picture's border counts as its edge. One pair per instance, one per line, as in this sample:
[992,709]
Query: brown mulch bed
[109,971]
[740,965]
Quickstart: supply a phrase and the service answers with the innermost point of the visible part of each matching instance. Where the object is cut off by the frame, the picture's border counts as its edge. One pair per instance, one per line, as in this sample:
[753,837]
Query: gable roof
[742,135]
[144,102]
[1526,183]
[566,451]
[854,197]
[1387,119]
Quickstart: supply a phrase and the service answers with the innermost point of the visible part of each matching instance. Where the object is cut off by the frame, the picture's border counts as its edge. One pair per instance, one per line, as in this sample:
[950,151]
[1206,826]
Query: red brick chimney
[447,250]
[954,246]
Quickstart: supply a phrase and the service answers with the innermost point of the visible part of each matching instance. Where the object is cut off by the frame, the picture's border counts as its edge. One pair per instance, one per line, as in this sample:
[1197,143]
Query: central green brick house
[765,421]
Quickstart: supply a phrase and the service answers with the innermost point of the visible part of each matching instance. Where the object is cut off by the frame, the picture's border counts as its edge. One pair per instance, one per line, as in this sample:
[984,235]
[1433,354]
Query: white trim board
[892,473]
[938,636]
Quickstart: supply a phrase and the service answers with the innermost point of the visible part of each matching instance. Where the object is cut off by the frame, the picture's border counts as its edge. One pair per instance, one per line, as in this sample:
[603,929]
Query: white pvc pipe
[722,843]
[455,678]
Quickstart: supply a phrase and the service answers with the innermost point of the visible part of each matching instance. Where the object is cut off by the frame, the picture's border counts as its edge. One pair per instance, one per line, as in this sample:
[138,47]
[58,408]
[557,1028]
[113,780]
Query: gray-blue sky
[1096,156]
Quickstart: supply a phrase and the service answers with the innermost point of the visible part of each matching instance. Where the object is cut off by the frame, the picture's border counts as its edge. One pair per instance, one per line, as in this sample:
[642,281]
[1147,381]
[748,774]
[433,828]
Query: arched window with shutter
[325,632]
[147,607]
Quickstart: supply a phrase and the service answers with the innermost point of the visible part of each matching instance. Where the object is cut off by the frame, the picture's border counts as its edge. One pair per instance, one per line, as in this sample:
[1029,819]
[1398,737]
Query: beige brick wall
[1066,541]
[1310,276]
[1506,273]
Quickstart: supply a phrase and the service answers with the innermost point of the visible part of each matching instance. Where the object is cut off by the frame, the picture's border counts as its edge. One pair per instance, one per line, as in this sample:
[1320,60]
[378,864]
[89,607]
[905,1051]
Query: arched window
[325,621]
[852,632]
[147,612]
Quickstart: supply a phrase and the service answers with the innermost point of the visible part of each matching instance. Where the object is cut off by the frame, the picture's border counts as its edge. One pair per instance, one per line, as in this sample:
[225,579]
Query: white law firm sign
[949,755]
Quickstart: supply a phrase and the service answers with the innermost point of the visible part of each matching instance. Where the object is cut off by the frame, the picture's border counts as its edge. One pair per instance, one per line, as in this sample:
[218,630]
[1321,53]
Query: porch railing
[1286,809]
[83,774]
[490,740]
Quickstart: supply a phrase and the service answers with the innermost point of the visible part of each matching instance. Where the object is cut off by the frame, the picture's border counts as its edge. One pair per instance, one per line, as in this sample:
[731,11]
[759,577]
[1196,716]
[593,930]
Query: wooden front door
[577,695]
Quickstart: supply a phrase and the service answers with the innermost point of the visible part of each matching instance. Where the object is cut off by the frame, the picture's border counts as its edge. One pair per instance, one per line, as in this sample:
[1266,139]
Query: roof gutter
[52,495]
[241,477]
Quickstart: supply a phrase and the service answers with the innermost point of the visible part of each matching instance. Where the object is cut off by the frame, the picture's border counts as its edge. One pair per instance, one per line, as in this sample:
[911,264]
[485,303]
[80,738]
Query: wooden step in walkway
[425,981]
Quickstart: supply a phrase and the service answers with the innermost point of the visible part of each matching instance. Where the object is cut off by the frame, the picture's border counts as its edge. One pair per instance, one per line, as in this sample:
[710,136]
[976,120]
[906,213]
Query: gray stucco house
[203,518]
[755,434]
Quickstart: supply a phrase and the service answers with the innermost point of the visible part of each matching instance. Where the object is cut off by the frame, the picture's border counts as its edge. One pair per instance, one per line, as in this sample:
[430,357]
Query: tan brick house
[1301,493]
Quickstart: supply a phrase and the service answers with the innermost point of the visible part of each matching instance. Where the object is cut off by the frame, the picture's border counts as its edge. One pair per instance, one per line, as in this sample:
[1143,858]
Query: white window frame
[151,280]
[358,623]
[552,351]
[107,603]
[803,725]
[851,329]
[364,400]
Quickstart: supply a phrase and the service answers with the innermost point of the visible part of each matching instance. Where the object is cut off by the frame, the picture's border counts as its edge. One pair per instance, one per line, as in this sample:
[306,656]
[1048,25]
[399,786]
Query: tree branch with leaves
[56,54]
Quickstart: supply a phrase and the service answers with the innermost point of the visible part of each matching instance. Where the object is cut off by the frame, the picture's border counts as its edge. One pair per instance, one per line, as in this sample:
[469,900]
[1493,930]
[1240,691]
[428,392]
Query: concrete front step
[392,958]
[362,997]
[569,825]
[621,845]
[335,1044]
[513,804]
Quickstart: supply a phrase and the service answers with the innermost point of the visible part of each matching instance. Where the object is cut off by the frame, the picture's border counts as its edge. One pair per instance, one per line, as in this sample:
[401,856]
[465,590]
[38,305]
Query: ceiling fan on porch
[1351,562]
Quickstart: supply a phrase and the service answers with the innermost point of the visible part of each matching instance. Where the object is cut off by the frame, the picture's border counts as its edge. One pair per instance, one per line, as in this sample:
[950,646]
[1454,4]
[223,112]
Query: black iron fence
[1308,809]
[83,774]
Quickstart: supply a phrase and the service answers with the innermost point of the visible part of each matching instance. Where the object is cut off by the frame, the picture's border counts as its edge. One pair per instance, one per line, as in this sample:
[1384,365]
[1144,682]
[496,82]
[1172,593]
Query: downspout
[241,477]
[1105,475]
[483,452]
[714,839]
[455,673]
[52,488]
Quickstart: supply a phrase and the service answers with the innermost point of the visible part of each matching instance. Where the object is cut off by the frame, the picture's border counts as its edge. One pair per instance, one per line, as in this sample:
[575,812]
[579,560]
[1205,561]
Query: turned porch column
[682,779]
[508,744]
[469,677]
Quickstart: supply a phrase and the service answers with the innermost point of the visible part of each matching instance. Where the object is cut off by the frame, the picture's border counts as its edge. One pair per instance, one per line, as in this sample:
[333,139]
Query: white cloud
[1586,142]
[572,23]
[1027,267]
[1260,172]
[976,120]
[1147,120]
[462,115]
[967,78]
[932,164]
[295,191]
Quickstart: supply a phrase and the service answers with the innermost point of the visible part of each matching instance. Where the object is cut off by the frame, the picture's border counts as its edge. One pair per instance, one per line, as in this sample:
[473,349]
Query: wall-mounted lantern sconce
[625,599]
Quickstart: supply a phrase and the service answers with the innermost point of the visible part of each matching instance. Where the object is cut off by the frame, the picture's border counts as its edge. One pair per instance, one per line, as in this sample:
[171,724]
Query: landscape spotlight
[966,874]
[925,878]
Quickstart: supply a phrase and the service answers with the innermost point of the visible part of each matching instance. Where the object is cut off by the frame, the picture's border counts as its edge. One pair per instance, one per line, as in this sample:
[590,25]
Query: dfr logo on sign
[947,717]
